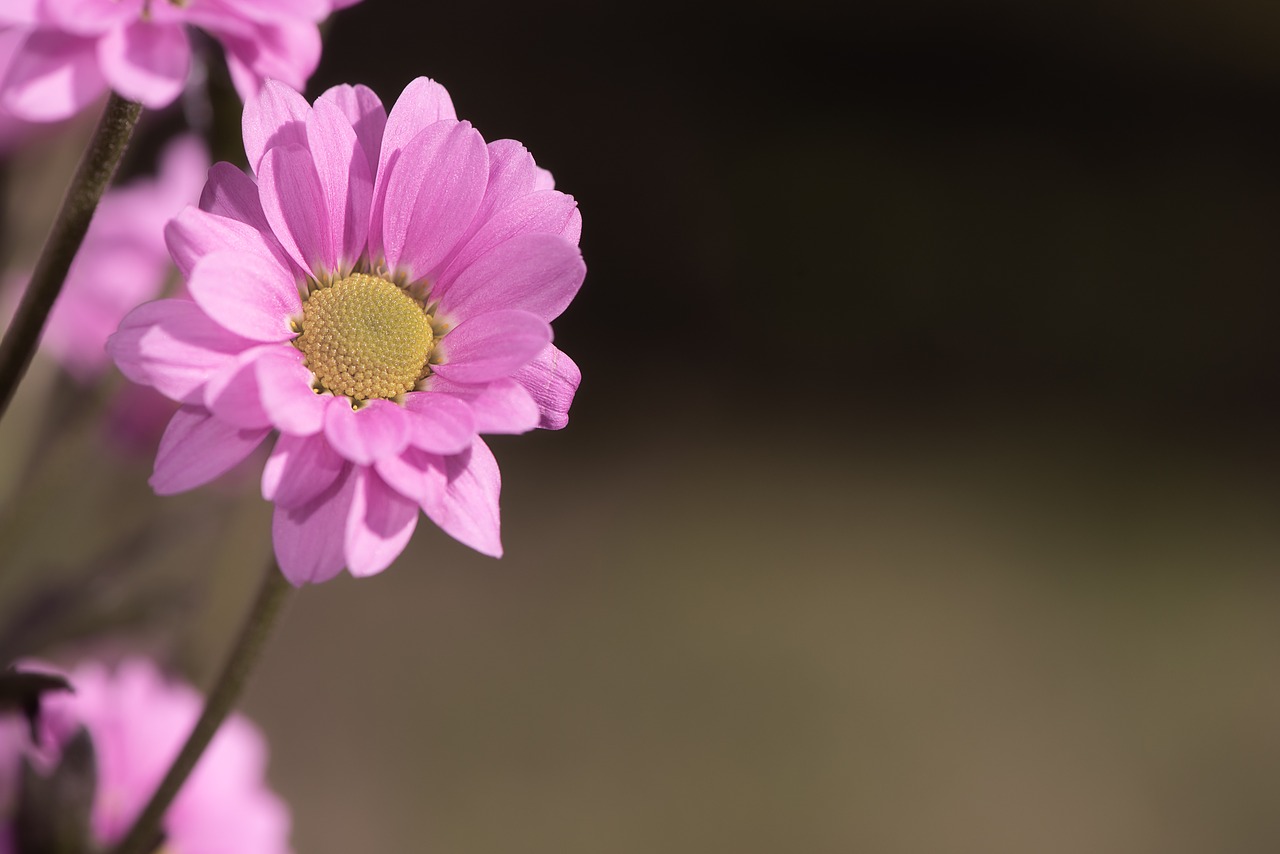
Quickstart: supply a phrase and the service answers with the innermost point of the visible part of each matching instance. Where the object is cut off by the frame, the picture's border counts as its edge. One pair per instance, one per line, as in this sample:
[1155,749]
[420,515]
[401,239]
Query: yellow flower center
[365,337]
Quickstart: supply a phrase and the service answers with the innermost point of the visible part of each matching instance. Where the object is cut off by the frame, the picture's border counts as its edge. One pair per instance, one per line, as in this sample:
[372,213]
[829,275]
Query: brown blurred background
[920,495]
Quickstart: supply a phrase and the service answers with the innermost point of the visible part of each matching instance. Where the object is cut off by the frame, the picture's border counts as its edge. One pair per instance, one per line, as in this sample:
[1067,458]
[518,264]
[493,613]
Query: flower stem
[144,836]
[97,168]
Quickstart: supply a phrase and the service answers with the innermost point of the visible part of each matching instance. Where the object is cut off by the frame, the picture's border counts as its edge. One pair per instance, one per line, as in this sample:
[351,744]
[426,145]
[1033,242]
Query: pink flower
[379,295]
[138,722]
[57,56]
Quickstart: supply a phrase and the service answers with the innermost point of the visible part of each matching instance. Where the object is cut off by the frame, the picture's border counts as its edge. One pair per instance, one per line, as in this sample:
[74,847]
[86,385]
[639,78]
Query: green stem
[143,837]
[97,168]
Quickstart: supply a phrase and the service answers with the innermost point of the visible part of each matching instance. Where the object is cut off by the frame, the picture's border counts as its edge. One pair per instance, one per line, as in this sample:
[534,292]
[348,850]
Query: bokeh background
[920,496]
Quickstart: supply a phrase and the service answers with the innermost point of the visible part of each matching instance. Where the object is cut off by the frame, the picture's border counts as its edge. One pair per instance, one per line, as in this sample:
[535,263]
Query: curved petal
[146,61]
[232,394]
[468,508]
[294,204]
[548,212]
[433,193]
[502,406]
[173,346]
[379,525]
[290,401]
[276,116]
[91,17]
[544,180]
[253,300]
[439,423]
[380,429]
[552,379]
[345,181]
[512,175]
[299,469]
[415,474]
[230,193]
[309,538]
[365,112]
[287,51]
[196,447]
[490,346]
[193,233]
[52,76]
[538,273]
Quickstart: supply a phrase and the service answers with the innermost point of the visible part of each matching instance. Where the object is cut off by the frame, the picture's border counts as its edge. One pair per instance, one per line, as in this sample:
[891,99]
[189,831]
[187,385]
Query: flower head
[378,293]
[138,721]
[57,56]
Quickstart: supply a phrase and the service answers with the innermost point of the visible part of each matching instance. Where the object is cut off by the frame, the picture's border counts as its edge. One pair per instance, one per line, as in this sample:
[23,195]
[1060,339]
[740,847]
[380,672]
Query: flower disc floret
[365,338]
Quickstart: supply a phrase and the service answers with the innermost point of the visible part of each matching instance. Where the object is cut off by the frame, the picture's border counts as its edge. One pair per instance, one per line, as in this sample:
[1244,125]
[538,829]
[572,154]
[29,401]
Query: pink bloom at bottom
[377,294]
[138,722]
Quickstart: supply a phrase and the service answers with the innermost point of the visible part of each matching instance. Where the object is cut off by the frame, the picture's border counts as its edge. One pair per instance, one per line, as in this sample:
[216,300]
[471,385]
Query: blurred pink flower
[56,56]
[380,294]
[138,721]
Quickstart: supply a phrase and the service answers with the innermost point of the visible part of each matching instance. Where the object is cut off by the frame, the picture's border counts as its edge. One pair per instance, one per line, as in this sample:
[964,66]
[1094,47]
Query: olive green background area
[920,496]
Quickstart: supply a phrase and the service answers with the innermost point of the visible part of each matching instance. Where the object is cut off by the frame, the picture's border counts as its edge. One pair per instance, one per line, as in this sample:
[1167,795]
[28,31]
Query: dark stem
[97,168]
[142,836]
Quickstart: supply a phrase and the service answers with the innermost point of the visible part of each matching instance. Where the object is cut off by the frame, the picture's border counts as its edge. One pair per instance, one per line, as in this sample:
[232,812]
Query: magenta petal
[309,538]
[193,233]
[252,299]
[91,17]
[439,423]
[537,273]
[547,212]
[232,394]
[287,51]
[380,429]
[512,175]
[490,346]
[415,474]
[552,379]
[233,194]
[379,525]
[276,116]
[365,112]
[502,406]
[146,61]
[468,509]
[299,469]
[345,181]
[173,346]
[52,76]
[433,192]
[544,180]
[197,447]
[294,204]
[287,395]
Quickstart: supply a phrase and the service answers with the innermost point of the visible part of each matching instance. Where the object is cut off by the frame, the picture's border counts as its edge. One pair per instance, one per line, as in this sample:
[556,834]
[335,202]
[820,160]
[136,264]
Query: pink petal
[380,429]
[502,406]
[366,114]
[468,509]
[433,192]
[490,346]
[233,194]
[146,61]
[52,76]
[287,396]
[276,116]
[287,51]
[345,180]
[91,17]
[309,538]
[548,212]
[232,394]
[299,469]
[538,273]
[379,526]
[174,347]
[415,474]
[544,180]
[294,204]
[194,233]
[512,174]
[197,447]
[552,379]
[439,423]
[252,299]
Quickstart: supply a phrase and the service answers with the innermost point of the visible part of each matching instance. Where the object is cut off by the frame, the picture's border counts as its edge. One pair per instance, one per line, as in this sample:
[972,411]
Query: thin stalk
[143,837]
[97,168]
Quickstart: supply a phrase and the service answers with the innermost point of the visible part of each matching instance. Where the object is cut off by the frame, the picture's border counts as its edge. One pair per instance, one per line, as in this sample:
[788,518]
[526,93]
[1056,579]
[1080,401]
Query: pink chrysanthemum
[138,722]
[379,295]
[57,56]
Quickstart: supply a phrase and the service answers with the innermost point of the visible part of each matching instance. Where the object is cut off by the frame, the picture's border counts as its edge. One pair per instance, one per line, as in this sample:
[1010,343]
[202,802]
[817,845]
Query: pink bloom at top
[379,295]
[138,721]
[57,56]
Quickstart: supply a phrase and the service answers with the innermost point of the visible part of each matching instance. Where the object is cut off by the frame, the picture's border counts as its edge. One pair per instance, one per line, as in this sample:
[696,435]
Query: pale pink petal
[490,346]
[274,117]
[439,423]
[345,181]
[299,469]
[379,525]
[294,204]
[309,538]
[379,429]
[512,175]
[287,51]
[231,193]
[173,346]
[365,112]
[547,212]
[552,379]
[433,192]
[252,299]
[52,76]
[146,61]
[468,509]
[91,17]
[501,406]
[232,393]
[538,273]
[544,180]
[197,447]
[279,10]
[415,474]
[193,233]
[290,401]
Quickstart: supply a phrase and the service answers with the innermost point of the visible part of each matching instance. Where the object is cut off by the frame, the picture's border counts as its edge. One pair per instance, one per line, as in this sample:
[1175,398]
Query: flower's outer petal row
[287,396]
[194,233]
[491,346]
[146,61]
[438,182]
[512,174]
[415,474]
[232,194]
[197,447]
[309,539]
[295,206]
[288,51]
[544,180]
[52,76]
[345,181]
[379,429]
[539,273]
[233,395]
[501,406]
[467,510]
[365,112]
[253,300]
[379,524]
[276,116]
[299,469]
[173,346]
[438,423]
[552,379]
